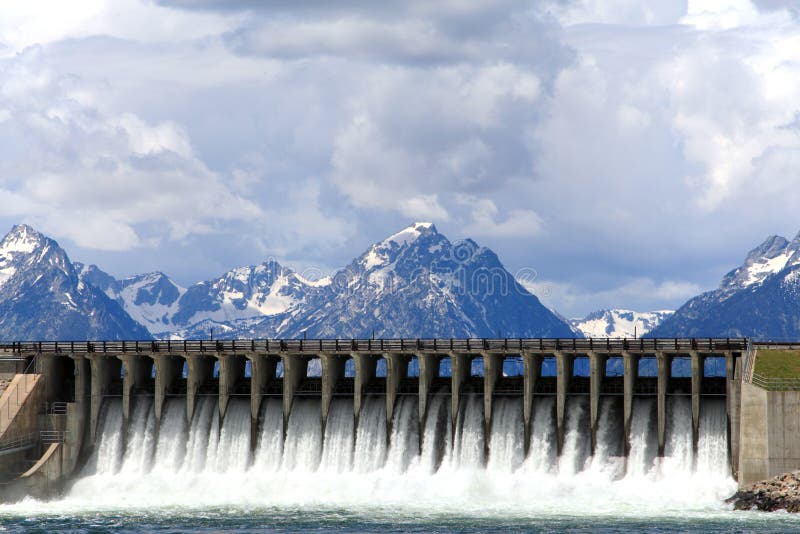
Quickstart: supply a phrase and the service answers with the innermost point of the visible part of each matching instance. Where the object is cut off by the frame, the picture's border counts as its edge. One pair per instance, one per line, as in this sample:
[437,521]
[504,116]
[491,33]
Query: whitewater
[435,477]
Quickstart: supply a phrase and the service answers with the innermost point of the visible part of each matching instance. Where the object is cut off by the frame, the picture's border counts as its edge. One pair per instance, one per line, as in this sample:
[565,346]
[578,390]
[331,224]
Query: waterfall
[507,447]
[108,455]
[468,444]
[141,438]
[208,460]
[270,444]
[302,449]
[712,443]
[170,450]
[370,448]
[577,442]
[233,449]
[643,438]
[337,449]
[436,434]
[678,449]
[542,454]
[404,442]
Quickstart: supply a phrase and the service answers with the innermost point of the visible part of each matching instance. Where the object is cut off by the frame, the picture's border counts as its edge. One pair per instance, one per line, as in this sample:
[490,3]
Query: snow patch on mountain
[619,323]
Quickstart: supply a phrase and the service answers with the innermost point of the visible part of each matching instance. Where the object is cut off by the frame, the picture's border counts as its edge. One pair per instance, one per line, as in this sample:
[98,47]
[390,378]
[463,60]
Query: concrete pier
[564,369]
[103,370]
[396,371]
[697,381]
[597,372]
[168,370]
[136,372]
[428,370]
[532,370]
[459,369]
[664,363]
[262,372]
[295,370]
[231,371]
[492,371]
[366,367]
[200,369]
[630,365]
[332,372]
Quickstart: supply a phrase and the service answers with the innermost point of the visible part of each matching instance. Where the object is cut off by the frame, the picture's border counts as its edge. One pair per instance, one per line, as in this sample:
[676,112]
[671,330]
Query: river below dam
[204,477]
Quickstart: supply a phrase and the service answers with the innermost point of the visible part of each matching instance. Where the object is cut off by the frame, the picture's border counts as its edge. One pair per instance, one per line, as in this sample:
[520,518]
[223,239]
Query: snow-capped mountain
[760,299]
[416,283]
[42,296]
[618,323]
[229,305]
[150,299]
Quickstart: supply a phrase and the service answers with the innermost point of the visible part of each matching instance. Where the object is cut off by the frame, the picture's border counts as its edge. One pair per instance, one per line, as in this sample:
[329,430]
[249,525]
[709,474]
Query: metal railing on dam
[380,345]
[86,372]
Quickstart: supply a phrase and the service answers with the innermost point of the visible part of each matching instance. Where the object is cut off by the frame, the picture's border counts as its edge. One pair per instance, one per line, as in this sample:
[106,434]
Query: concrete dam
[95,411]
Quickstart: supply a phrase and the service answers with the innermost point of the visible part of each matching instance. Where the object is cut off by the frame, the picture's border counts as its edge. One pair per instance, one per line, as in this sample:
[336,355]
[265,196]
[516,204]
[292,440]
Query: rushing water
[370,476]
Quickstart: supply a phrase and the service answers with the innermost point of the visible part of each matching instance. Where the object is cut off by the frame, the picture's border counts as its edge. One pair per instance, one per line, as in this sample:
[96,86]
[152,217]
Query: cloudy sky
[629,152]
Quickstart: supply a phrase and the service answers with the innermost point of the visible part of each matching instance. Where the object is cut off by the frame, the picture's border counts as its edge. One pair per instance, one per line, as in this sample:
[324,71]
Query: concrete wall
[769,442]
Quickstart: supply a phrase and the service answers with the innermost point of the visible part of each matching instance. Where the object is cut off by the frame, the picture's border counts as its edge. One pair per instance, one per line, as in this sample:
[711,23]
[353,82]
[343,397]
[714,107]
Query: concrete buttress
[332,371]
[365,367]
[532,369]
[136,372]
[396,371]
[200,369]
[597,368]
[630,366]
[663,362]
[295,370]
[428,370]
[460,367]
[231,371]
[563,375]
[168,371]
[492,371]
[697,383]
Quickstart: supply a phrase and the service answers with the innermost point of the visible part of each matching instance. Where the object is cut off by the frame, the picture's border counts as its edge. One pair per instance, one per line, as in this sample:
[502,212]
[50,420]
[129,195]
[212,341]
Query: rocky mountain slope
[759,299]
[415,283]
[42,296]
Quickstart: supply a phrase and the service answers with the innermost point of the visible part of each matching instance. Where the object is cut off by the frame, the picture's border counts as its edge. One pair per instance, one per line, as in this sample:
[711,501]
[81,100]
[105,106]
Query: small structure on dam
[74,379]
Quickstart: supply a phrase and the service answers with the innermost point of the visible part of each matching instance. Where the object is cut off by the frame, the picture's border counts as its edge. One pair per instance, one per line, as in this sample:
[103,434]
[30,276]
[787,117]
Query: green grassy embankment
[777,363]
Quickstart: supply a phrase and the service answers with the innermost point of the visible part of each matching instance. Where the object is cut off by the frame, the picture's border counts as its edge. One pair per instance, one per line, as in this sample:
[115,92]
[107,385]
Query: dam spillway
[398,408]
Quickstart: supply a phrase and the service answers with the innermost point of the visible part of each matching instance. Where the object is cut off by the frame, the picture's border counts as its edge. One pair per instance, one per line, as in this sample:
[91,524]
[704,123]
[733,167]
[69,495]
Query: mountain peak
[21,238]
[411,233]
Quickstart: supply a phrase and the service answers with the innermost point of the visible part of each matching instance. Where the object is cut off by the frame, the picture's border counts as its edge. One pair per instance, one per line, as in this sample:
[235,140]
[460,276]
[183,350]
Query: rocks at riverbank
[779,493]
